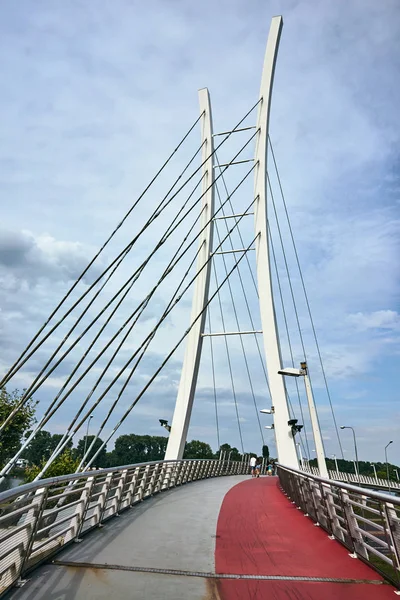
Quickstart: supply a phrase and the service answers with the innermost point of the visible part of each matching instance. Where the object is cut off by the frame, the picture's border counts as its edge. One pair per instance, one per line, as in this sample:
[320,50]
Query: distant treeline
[129,449]
[365,468]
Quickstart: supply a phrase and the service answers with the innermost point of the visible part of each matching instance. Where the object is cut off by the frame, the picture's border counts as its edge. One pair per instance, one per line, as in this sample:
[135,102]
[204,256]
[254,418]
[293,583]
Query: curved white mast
[191,361]
[284,440]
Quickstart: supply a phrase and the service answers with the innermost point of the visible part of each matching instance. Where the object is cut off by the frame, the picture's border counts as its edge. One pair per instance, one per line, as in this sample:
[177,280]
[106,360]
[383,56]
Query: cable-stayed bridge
[215,237]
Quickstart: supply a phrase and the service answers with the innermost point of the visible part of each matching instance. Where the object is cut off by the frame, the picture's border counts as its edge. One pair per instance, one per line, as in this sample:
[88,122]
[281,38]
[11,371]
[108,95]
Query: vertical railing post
[393,529]
[351,519]
[104,497]
[85,496]
[41,499]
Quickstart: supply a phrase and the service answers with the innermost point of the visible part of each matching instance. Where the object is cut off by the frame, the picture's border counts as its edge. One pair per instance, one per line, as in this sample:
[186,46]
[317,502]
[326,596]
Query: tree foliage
[42,446]
[132,448]
[100,460]
[64,464]
[229,451]
[265,452]
[12,435]
[197,449]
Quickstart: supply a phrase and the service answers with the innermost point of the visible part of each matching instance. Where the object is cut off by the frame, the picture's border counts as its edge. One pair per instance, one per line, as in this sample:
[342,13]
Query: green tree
[233,452]
[101,458]
[42,446]
[265,452]
[197,449]
[64,464]
[131,448]
[12,435]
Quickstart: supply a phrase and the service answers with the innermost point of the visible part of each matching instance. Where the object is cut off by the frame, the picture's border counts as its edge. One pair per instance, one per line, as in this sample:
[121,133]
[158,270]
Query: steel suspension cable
[4,380]
[288,274]
[127,286]
[213,378]
[69,433]
[238,325]
[306,298]
[138,272]
[156,214]
[143,391]
[9,465]
[239,232]
[245,295]
[229,359]
[117,261]
[146,342]
[287,332]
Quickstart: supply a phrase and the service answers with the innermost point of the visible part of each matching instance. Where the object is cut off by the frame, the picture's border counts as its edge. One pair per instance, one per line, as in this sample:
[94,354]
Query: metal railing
[365,521]
[39,519]
[358,479]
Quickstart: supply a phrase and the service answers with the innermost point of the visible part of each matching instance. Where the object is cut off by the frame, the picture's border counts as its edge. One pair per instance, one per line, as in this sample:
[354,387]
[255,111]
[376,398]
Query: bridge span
[219,538]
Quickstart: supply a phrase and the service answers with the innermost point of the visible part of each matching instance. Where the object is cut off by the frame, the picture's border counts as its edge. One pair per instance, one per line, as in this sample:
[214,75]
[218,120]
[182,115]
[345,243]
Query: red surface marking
[260,532]
[301,590]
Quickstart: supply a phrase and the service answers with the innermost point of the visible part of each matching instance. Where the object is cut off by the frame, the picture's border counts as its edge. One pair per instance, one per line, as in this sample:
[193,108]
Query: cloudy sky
[94,97]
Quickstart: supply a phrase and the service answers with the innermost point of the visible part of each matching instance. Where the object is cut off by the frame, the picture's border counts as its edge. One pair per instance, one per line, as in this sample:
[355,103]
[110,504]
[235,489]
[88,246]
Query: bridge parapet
[367,522]
[39,519]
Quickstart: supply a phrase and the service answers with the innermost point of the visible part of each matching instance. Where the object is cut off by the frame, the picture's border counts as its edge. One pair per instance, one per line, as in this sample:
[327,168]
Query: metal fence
[358,479]
[40,518]
[365,521]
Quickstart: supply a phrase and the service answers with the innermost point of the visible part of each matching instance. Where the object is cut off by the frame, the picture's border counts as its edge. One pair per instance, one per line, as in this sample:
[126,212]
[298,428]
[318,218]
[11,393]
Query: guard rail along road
[365,521]
[40,518]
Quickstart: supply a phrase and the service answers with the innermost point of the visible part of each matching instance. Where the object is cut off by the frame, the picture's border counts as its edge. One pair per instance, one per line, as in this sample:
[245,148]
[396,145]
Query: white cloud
[380,319]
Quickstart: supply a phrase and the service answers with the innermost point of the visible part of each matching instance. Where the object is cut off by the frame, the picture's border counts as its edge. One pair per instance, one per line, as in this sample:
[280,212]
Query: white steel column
[190,369]
[284,440]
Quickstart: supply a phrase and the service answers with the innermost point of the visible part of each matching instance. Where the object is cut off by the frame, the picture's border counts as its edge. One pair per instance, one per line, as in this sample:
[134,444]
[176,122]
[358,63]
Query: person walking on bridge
[253,466]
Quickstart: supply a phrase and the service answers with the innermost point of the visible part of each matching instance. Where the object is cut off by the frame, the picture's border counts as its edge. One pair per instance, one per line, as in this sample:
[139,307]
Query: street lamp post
[300,455]
[356,464]
[397,474]
[336,465]
[374,468]
[387,464]
[87,433]
[303,372]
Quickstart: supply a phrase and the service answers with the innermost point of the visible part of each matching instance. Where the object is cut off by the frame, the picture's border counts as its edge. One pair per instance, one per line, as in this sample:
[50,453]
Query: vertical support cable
[284,440]
[191,361]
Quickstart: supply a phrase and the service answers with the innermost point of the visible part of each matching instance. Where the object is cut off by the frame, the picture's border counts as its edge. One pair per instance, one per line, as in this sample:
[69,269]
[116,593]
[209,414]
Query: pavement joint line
[209,575]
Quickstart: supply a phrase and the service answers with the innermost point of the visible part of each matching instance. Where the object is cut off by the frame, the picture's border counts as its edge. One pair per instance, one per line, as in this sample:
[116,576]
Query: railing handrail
[38,519]
[364,521]
[346,486]
[44,483]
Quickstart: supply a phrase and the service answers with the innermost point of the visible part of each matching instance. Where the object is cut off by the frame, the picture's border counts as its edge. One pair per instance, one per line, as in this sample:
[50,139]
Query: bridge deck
[193,542]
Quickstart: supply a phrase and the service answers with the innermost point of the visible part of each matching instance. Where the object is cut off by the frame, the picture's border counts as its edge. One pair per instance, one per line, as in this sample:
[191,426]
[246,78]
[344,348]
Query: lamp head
[291,372]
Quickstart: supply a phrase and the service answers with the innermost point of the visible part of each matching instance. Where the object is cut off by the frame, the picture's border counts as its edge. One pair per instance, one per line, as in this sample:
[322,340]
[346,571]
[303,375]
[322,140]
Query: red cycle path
[260,532]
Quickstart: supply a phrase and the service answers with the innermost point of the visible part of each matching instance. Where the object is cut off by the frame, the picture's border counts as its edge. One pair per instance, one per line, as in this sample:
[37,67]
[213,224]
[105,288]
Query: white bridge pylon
[183,408]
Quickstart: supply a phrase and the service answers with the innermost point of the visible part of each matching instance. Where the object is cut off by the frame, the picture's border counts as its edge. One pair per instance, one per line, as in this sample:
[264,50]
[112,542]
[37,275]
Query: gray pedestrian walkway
[174,530]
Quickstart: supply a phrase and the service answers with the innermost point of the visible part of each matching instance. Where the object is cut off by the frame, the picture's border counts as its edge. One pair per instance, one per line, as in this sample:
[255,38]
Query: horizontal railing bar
[381,556]
[55,524]
[45,483]
[59,509]
[233,131]
[229,333]
[373,537]
[246,214]
[236,162]
[51,539]
[345,486]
